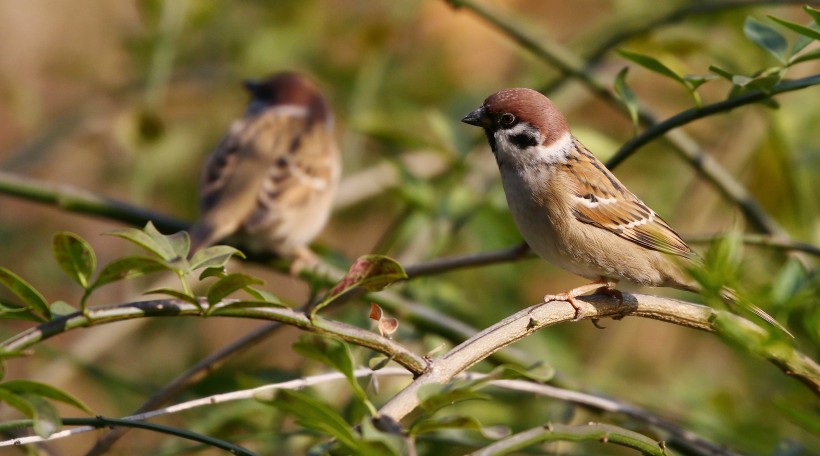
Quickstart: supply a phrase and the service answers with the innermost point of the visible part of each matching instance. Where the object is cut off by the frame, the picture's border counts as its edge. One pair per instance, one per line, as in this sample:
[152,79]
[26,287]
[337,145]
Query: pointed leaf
[144,240]
[808,32]
[31,298]
[459,422]
[721,72]
[371,272]
[175,294]
[805,57]
[41,389]
[216,271]
[766,37]
[435,397]
[814,13]
[214,257]
[652,64]
[336,354]
[627,97]
[229,284]
[173,246]
[314,414]
[46,418]
[13,311]
[698,80]
[75,257]
[128,268]
[265,296]
[62,308]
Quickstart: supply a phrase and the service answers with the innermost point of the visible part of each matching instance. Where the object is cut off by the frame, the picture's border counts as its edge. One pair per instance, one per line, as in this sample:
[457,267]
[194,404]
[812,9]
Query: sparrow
[273,177]
[571,210]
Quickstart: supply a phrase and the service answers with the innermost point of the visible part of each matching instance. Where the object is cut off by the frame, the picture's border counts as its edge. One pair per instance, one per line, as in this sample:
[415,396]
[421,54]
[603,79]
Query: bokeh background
[125,99]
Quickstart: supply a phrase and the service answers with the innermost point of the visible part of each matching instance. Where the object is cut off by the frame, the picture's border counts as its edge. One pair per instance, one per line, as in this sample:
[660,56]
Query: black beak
[479,118]
[251,85]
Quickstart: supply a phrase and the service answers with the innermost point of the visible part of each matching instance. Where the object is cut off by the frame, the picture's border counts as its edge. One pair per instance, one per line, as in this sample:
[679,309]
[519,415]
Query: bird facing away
[571,210]
[273,177]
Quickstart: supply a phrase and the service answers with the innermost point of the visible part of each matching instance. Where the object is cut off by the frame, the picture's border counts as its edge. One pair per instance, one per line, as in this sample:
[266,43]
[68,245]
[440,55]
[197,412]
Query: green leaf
[425,426]
[697,80]
[75,257]
[217,271]
[181,295]
[371,272]
[766,37]
[46,418]
[811,55]
[229,284]
[336,354]
[41,389]
[627,97]
[435,397]
[128,268]
[808,32]
[652,64]
[144,240]
[721,72]
[214,257]
[12,311]
[265,296]
[31,298]
[62,308]
[814,13]
[318,416]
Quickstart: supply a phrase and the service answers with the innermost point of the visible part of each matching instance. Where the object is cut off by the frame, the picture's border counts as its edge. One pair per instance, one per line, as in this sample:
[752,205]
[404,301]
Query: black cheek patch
[524,140]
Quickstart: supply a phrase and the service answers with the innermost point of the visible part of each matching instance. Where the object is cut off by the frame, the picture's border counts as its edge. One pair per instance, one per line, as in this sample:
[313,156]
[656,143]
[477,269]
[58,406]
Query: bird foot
[602,286]
[303,260]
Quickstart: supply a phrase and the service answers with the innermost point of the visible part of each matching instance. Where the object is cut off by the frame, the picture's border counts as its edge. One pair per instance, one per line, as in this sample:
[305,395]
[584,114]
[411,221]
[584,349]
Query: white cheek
[556,152]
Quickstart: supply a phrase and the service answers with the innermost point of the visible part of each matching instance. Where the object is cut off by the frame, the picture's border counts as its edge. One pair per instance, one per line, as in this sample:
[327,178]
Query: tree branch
[525,322]
[174,307]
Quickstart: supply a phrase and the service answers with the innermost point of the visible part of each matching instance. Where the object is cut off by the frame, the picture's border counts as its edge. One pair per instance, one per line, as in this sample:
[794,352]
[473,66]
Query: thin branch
[763,240]
[192,375]
[265,391]
[80,201]
[90,424]
[678,436]
[571,65]
[604,433]
[690,115]
[175,307]
[442,265]
[511,329]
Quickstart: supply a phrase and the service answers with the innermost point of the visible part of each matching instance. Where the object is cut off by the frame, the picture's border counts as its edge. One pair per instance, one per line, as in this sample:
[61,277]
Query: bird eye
[507,119]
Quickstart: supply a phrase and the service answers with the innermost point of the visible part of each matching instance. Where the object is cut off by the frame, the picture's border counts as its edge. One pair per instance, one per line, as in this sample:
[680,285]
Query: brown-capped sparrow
[273,177]
[570,208]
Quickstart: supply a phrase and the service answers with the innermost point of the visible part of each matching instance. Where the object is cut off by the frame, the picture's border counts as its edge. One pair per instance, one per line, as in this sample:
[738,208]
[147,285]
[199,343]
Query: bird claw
[601,286]
[567,297]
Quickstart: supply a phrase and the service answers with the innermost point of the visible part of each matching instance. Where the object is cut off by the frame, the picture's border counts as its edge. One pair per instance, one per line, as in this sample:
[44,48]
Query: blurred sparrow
[570,209]
[273,177]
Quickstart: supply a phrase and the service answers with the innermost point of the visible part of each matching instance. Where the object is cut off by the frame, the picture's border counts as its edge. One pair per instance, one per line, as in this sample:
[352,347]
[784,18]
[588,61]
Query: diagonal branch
[525,322]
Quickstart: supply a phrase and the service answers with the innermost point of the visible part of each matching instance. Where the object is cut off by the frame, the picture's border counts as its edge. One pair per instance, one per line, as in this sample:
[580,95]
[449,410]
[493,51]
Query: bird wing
[251,167]
[602,201]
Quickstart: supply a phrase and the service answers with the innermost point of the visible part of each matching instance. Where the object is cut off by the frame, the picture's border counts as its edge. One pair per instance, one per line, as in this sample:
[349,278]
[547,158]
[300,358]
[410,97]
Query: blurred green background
[125,99]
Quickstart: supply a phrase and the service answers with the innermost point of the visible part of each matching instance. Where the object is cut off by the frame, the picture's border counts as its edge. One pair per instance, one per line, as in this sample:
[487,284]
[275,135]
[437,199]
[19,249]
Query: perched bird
[570,208]
[274,176]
